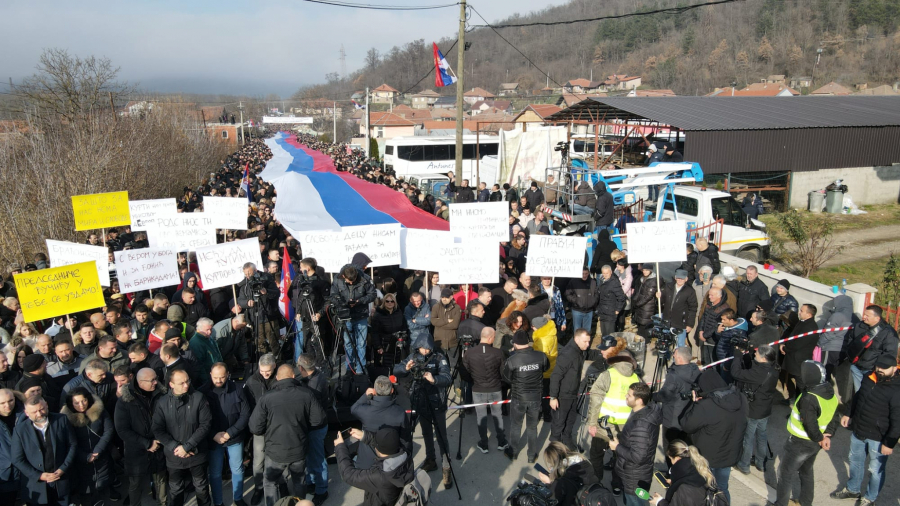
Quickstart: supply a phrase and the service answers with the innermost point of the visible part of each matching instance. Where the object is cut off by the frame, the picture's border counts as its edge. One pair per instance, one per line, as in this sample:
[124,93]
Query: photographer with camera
[758,383]
[716,420]
[389,333]
[308,293]
[730,329]
[351,293]
[377,409]
[675,394]
[524,371]
[570,474]
[679,305]
[483,366]
[428,398]
[257,294]
[708,324]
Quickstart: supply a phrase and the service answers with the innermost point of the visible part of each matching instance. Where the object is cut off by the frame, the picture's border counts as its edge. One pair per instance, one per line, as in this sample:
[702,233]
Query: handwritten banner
[381,243]
[223,264]
[481,221]
[226,212]
[101,210]
[145,212]
[182,232]
[417,248]
[325,246]
[68,253]
[59,290]
[468,262]
[656,241]
[146,268]
[558,256]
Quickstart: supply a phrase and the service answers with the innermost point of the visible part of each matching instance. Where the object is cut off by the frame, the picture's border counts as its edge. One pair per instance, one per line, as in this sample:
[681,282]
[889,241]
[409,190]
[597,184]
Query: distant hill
[691,53]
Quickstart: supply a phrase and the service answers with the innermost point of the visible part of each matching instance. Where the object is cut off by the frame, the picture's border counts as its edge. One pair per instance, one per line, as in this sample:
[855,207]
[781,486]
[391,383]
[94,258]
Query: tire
[751,254]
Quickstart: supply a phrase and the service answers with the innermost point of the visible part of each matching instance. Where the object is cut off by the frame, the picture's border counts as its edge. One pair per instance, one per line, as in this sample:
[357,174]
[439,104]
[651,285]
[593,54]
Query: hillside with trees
[691,53]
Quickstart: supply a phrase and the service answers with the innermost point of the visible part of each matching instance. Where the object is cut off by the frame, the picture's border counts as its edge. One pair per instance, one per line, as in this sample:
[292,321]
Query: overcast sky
[224,46]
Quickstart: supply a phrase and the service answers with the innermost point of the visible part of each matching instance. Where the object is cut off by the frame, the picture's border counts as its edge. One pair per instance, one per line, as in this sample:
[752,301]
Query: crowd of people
[156,391]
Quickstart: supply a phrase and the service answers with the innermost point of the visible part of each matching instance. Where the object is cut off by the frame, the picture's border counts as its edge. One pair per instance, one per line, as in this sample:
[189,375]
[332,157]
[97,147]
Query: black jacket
[471,326]
[643,301]
[464,195]
[565,381]
[267,301]
[582,295]
[688,488]
[679,380]
[230,411]
[800,350]
[499,300]
[375,413]
[382,329]
[764,334]
[383,481]
[93,432]
[578,476]
[864,344]
[759,381]
[440,370]
[710,257]
[524,370]
[496,196]
[681,309]
[810,410]
[195,311]
[183,421]
[361,291]
[537,306]
[256,387]
[285,416]
[483,365]
[512,195]
[133,418]
[28,457]
[610,298]
[875,412]
[749,296]
[690,265]
[604,208]
[716,424]
[637,447]
[709,321]
[534,197]
[318,292]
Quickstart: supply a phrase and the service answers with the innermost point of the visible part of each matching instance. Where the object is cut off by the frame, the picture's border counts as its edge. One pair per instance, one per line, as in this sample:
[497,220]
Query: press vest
[795,423]
[614,404]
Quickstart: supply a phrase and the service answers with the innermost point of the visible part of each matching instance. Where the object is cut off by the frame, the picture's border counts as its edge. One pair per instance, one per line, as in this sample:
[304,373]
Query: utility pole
[367,123]
[241,107]
[334,122]
[460,90]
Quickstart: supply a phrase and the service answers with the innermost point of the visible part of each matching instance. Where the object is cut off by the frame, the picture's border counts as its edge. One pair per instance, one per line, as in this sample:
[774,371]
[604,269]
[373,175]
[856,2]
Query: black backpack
[596,495]
[715,497]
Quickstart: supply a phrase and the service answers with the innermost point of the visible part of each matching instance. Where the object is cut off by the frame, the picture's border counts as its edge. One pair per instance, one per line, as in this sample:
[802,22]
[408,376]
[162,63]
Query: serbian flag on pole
[287,277]
[443,74]
[357,104]
[245,181]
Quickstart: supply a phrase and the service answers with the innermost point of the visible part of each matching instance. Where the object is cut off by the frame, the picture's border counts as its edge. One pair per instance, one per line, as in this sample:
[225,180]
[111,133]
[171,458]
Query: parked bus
[410,156]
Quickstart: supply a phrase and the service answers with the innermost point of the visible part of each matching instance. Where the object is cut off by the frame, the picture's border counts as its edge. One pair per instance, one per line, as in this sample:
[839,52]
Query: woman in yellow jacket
[544,337]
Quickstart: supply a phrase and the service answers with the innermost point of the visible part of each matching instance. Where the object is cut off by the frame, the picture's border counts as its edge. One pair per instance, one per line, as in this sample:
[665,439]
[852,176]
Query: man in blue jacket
[43,450]
[230,412]
[10,414]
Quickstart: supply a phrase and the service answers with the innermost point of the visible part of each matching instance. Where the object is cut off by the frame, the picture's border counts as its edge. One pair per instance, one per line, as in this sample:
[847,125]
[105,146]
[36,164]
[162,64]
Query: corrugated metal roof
[740,113]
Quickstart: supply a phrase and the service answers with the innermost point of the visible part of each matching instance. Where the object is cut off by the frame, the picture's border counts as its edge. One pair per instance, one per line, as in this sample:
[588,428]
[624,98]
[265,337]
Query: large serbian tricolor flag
[313,195]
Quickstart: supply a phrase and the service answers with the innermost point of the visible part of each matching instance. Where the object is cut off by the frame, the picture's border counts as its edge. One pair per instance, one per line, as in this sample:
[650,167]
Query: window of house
[224,134]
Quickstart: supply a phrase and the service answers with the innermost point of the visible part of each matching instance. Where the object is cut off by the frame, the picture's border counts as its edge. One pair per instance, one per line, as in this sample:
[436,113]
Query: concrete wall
[867,185]
[804,290]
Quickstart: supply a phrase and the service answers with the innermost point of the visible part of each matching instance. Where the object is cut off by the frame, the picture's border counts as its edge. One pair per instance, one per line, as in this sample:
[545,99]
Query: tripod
[342,336]
[315,336]
[416,391]
[462,413]
[663,354]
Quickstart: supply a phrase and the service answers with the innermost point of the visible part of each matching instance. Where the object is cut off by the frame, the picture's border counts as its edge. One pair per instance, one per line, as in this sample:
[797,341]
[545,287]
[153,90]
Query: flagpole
[461,52]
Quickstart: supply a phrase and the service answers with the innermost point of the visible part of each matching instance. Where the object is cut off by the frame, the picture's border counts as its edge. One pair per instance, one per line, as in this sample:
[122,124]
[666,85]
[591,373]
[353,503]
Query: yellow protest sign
[101,210]
[60,290]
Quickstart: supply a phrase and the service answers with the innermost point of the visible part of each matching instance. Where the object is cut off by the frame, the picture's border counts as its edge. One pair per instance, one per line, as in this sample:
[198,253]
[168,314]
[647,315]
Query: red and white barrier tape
[833,329]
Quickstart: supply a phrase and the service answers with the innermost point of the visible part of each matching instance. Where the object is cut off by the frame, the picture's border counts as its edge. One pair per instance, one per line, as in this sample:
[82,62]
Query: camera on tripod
[420,366]
[664,333]
[256,284]
[340,307]
[531,494]
[401,336]
[468,341]
[561,146]
[305,288]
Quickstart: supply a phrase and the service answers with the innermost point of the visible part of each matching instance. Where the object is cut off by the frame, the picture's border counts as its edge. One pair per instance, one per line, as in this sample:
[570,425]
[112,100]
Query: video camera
[420,366]
[305,288]
[531,494]
[468,341]
[256,283]
[561,146]
[401,336]
[339,306]
[664,333]
[742,343]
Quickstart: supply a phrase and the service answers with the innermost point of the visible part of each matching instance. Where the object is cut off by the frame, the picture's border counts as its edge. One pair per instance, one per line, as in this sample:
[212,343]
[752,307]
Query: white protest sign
[417,248]
[324,246]
[657,241]
[480,221]
[223,264]
[381,243]
[468,262]
[64,253]
[145,212]
[182,232]
[226,212]
[146,268]
[560,256]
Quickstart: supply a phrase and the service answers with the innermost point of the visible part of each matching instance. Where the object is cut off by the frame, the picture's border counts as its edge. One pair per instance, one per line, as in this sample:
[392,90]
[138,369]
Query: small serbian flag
[284,301]
[245,181]
[443,74]
[357,105]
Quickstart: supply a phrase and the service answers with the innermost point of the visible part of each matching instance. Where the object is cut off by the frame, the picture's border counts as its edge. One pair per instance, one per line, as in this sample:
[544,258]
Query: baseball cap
[607,342]
[681,274]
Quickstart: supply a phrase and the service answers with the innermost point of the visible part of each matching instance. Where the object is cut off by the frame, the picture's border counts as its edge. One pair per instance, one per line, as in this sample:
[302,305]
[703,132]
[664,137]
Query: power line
[513,46]
[354,5]
[667,10]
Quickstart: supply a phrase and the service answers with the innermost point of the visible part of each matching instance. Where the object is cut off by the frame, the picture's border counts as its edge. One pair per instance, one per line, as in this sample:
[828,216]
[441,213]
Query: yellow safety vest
[795,423]
[614,404]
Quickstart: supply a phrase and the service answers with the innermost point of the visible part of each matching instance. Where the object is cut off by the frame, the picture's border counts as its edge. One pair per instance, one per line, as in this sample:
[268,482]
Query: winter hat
[681,274]
[447,293]
[647,267]
[29,382]
[539,321]
[33,362]
[607,342]
[885,361]
[387,440]
[766,305]
[785,283]
[520,338]
[172,332]
[710,381]
[175,313]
